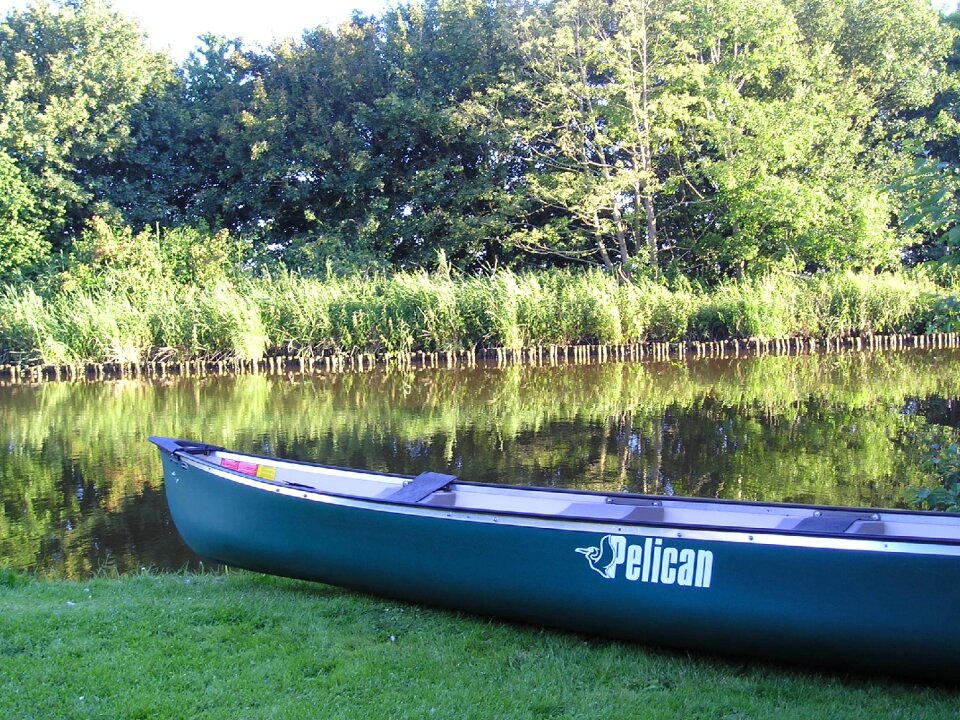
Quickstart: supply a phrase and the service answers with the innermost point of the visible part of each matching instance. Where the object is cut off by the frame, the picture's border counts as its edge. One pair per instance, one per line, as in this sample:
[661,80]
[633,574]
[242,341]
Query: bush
[943,314]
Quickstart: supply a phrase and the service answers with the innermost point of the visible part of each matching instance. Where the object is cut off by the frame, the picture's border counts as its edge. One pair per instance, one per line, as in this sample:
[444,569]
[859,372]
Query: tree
[893,50]
[449,171]
[367,146]
[929,189]
[608,90]
[782,142]
[71,74]
[931,192]
[721,137]
[21,226]
[701,137]
[214,179]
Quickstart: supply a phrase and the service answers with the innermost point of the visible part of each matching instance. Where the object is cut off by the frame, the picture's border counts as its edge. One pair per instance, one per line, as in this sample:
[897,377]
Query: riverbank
[252,646]
[444,318]
[550,355]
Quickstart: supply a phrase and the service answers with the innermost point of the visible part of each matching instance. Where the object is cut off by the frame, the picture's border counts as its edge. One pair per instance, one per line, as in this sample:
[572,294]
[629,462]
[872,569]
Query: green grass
[249,646]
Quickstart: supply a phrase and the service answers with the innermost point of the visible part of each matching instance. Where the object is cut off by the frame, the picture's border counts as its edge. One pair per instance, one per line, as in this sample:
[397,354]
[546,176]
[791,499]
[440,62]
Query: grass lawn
[242,645]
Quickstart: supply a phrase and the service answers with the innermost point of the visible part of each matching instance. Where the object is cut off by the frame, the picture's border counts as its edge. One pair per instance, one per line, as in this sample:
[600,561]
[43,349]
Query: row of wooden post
[540,355]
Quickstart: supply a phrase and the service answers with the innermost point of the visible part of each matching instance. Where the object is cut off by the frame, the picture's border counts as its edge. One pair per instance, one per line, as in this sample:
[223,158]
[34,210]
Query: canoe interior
[445,491]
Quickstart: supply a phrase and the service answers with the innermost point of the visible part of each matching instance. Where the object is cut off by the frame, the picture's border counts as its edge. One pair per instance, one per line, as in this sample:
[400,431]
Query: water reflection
[81,489]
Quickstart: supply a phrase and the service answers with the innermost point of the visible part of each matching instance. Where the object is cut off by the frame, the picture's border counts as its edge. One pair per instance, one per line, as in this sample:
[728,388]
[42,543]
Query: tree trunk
[601,246]
[643,150]
[652,239]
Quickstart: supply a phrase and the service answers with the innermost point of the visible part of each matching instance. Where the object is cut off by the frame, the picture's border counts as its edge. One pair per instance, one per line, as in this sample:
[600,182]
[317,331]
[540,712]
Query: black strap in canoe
[421,487]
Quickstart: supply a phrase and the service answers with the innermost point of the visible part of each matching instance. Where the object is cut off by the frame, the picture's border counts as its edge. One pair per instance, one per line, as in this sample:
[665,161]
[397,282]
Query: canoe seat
[442,499]
[644,509]
[835,523]
[421,487]
[613,511]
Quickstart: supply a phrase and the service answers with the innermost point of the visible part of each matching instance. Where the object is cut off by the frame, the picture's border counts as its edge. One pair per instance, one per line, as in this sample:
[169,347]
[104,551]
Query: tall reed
[862,304]
[296,313]
[23,315]
[247,318]
[770,307]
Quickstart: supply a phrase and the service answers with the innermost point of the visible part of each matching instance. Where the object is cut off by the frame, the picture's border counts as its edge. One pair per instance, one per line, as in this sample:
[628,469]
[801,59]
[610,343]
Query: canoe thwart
[421,487]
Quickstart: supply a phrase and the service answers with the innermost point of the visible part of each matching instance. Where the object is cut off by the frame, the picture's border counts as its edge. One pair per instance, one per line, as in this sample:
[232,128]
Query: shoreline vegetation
[242,644]
[285,321]
[738,178]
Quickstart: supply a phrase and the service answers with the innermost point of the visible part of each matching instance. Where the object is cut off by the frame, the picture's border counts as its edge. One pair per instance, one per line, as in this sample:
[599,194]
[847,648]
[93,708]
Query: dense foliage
[704,138]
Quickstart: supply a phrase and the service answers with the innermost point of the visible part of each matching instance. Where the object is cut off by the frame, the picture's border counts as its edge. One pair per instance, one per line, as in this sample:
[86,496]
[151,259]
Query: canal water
[81,489]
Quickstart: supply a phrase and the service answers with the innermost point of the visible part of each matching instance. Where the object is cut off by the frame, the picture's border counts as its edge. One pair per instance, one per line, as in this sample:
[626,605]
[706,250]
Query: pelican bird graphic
[603,559]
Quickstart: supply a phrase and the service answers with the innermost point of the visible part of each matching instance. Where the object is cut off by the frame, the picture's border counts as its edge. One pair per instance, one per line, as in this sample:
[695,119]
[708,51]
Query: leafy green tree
[312,177]
[929,189]
[449,170]
[724,136]
[891,49]
[21,225]
[608,91]
[366,146]
[782,142]
[705,138]
[71,74]
[209,117]
[149,182]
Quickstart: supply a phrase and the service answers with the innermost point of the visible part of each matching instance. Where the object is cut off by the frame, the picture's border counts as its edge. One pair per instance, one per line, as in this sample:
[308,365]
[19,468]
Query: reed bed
[248,320]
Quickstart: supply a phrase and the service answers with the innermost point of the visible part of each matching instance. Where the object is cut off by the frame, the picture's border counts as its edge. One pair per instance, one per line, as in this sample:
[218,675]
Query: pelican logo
[603,559]
[650,562]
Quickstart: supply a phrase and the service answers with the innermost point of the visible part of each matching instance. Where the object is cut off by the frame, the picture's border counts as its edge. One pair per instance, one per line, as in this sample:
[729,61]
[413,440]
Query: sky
[175,24]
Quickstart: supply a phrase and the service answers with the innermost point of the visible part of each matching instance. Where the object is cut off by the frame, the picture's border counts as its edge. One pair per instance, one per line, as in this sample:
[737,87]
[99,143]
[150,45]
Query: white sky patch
[174,25]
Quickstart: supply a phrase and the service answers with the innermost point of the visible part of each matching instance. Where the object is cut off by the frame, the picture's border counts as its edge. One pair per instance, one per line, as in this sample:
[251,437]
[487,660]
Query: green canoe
[864,590]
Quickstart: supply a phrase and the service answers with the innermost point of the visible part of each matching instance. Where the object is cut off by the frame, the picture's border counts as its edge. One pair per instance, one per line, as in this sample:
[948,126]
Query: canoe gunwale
[734,533]
[560,491]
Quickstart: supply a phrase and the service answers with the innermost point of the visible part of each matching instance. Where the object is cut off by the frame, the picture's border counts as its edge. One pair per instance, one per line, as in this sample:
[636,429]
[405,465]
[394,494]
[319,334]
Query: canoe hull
[849,604]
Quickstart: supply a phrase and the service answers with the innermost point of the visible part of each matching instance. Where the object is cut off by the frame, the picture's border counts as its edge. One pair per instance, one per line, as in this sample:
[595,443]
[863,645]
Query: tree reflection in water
[81,489]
